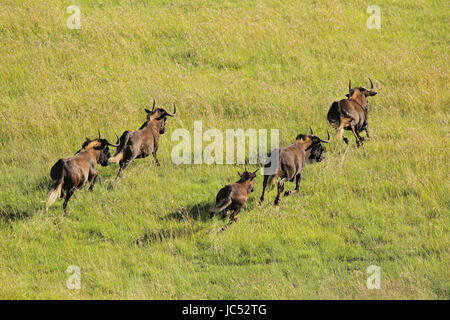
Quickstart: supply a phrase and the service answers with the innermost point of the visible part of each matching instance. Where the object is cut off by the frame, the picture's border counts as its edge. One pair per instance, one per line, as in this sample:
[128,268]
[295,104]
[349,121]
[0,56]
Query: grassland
[231,64]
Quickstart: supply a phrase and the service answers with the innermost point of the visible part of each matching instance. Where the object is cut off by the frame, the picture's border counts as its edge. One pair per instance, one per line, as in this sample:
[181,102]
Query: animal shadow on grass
[199,211]
[43,183]
[10,214]
[167,234]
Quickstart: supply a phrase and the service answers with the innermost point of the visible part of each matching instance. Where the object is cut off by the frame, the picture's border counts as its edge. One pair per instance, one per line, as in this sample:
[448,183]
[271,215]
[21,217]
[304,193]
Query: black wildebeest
[73,172]
[291,161]
[234,196]
[143,142]
[352,113]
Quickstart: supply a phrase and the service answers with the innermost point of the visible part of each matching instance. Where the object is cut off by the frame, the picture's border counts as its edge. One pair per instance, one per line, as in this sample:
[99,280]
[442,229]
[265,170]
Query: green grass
[231,64]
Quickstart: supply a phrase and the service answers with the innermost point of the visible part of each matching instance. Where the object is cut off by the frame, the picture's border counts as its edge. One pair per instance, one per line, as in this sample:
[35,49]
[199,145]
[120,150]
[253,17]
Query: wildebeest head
[360,92]
[101,145]
[248,176]
[317,150]
[160,115]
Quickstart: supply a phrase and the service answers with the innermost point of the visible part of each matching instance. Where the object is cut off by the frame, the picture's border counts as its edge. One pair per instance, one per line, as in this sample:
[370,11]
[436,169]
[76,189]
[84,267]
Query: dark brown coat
[72,173]
[351,113]
[234,196]
[143,142]
[291,161]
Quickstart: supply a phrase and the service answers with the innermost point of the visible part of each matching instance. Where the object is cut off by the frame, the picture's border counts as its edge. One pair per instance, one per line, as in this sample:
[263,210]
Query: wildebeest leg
[264,189]
[367,133]
[68,195]
[92,179]
[361,139]
[280,190]
[358,141]
[225,213]
[298,178]
[123,166]
[233,218]
[340,133]
[154,156]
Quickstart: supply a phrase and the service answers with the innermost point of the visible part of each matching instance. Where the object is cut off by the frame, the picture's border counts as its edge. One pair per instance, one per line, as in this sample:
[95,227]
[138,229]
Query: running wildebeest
[72,173]
[291,161]
[234,196]
[143,142]
[352,113]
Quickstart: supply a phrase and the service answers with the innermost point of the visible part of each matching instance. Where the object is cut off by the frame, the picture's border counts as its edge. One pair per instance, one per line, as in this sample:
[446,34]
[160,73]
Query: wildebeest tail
[269,172]
[221,205]
[333,115]
[119,151]
[55,190]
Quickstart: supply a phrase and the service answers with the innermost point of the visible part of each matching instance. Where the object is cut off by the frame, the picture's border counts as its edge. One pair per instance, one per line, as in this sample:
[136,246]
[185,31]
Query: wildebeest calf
[72,173]
[291,161]
[234,196]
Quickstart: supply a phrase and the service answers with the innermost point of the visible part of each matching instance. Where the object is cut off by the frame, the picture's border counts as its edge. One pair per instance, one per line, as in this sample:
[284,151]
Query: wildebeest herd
[69,174]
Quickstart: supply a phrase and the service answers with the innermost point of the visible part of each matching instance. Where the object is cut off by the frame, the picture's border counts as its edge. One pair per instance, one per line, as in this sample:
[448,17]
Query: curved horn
[174,111]
[371,84]
[112,145]
[99,135]
[326,141]
[349,86]
[153,108]
[312,132]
